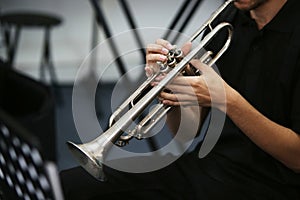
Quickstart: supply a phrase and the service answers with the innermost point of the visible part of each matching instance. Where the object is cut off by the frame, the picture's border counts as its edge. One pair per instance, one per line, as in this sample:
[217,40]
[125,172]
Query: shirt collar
[284,21]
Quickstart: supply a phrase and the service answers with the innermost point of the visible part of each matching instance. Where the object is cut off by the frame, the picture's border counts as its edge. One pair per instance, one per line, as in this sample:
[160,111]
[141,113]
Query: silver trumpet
[91,155]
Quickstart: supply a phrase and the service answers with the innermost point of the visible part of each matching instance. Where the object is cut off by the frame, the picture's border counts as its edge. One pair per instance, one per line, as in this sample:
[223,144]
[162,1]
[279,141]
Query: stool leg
[47,64]
[11,41]
[46,60]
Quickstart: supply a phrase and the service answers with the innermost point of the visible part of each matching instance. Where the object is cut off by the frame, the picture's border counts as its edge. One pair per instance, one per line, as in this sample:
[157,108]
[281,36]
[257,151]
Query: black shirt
[263,66]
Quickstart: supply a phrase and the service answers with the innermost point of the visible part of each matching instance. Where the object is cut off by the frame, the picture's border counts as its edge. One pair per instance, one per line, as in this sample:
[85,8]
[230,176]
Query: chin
[242,5]
[248,4]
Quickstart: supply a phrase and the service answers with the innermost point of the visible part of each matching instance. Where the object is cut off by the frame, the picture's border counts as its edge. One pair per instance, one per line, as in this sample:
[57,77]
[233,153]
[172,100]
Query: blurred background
[48,41]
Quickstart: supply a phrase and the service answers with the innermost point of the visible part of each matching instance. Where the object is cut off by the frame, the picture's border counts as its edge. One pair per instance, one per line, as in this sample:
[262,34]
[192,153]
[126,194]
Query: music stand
[23,172]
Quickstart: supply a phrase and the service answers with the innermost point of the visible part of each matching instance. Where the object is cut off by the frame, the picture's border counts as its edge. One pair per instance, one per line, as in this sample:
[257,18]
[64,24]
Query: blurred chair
[24,174]
[12,23]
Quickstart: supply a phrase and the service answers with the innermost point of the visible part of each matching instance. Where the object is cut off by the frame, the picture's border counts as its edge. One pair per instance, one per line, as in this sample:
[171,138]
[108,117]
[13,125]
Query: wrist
[232,99]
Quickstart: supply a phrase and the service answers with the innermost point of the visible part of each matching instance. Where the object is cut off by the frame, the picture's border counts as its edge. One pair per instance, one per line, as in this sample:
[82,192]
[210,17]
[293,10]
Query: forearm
[187,118]
[280,142]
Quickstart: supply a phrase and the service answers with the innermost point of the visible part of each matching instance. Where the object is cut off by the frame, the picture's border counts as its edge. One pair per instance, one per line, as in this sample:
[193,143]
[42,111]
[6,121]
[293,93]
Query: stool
[14,22]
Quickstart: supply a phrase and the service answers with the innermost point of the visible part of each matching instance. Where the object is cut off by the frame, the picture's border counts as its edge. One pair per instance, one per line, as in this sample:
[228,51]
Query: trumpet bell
[86,159]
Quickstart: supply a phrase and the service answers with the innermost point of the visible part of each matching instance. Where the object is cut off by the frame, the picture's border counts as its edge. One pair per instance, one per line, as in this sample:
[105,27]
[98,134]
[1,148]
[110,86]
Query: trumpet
[91,155]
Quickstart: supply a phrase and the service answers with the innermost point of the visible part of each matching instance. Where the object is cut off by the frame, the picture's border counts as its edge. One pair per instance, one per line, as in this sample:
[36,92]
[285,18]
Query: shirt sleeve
[295,105]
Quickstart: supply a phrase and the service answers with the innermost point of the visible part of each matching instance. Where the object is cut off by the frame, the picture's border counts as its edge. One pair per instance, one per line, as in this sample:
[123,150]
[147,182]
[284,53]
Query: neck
[266,12]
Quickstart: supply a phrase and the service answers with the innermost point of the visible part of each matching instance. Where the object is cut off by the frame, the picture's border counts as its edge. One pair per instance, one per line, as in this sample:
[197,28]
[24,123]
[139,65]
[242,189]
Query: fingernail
[169,46]
[165,51]
[162,57]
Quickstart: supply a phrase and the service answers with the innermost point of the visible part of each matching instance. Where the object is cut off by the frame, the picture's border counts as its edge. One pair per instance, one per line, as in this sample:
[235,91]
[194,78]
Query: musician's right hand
[158,52]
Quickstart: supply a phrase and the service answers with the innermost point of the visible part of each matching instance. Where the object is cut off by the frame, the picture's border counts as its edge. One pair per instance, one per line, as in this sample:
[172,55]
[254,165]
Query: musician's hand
[198,90]
[158,52]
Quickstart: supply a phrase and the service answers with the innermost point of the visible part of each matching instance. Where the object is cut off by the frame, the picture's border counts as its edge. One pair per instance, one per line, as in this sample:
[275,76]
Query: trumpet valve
[178,55]
[171,62]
